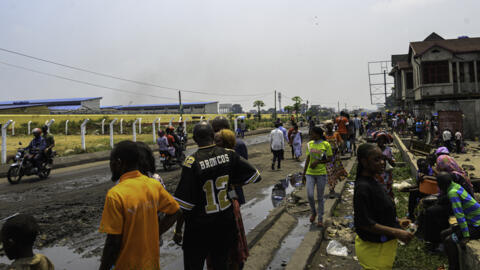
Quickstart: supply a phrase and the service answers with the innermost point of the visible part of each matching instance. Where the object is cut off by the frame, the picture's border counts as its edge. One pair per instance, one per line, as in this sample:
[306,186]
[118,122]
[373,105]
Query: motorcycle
[24,166]
[168,160]
[183,140]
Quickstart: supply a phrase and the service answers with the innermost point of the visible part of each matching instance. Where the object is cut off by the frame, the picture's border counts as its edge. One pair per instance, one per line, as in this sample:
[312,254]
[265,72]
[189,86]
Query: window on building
[409,83]
[435,72]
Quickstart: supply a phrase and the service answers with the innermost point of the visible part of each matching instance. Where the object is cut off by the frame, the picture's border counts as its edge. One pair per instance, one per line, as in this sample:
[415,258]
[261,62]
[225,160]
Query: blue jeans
[320,181]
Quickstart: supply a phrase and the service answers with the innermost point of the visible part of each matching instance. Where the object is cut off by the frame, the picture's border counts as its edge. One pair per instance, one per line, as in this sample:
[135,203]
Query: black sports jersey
[206,176]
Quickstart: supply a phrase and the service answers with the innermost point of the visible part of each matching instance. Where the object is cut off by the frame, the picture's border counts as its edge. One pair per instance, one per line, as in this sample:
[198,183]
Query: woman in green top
[319,153]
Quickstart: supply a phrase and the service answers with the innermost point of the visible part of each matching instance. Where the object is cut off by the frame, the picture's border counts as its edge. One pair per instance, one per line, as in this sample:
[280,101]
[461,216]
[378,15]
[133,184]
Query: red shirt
[290,131]
[171,140]
[342,124]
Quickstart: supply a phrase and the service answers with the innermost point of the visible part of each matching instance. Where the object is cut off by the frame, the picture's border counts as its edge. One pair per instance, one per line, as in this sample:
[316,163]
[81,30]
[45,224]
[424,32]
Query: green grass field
[63,143]
[146,118]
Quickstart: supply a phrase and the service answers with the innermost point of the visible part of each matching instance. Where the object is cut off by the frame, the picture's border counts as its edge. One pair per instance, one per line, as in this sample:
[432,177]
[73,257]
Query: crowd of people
[206,203]
[443,189]
[426,129]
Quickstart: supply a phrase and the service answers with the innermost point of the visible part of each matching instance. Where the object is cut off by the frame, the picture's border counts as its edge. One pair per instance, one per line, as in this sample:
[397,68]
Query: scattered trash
[402,185]
[337,249]
[468,167]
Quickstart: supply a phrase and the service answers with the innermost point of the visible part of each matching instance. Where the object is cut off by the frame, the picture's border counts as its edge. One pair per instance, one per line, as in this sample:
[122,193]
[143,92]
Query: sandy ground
[69,205]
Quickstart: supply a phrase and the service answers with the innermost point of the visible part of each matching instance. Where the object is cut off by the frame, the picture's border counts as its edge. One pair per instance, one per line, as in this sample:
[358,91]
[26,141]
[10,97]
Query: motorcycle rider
[174,140]
[35,148]
[49,142]
[163,144]
[180,129]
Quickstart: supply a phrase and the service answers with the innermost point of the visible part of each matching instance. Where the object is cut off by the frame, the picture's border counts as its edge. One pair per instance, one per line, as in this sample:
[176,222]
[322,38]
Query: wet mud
[69,205]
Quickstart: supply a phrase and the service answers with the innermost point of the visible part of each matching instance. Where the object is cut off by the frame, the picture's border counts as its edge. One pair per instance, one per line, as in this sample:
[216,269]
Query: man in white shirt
[458,141]
[410,122]
[447,139]
[277,144]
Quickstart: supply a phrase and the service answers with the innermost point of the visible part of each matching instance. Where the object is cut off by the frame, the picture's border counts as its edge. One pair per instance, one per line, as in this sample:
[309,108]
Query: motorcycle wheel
[14,175]
[44,174]
[166,165]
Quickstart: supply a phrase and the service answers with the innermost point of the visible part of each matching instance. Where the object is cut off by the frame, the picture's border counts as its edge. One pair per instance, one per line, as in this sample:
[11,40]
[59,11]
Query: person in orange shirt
[342,123]
[130,214]
[335,168]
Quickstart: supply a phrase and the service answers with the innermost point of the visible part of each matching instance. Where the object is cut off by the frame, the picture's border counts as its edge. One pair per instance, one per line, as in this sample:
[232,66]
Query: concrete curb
[79,159]
[264,249]
[256,233]
[303,255]
[407,156]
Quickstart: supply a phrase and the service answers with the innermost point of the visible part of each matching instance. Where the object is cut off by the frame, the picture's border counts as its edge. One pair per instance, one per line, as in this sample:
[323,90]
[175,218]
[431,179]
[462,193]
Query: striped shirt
[465,208]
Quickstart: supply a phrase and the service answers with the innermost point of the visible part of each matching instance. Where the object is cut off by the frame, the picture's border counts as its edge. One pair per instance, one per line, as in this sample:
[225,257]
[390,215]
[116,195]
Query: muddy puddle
[64,258]
[253,212]
[291,242]
[50,189]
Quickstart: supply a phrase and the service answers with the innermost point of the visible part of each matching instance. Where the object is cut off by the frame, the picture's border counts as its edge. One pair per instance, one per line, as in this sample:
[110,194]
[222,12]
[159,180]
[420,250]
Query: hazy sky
[316,49]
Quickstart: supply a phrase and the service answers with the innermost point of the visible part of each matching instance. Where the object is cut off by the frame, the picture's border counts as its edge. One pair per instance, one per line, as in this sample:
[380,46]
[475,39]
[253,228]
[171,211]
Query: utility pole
[338,106]
[385,85]
[275,102]
[280,101]
[180,107]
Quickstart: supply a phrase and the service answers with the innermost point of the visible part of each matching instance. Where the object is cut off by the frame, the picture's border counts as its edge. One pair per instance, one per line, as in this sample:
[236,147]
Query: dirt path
[69,205]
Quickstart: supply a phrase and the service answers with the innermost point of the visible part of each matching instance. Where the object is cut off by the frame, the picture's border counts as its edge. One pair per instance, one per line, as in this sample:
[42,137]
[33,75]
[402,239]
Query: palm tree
[258,104]
[288,108]
[296,105]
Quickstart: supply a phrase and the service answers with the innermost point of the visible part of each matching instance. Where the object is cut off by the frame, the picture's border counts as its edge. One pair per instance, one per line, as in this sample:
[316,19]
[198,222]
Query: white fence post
[13,128]
[111,131]
[235,125]
[134,126]
[139,125]
[121,126]
[201,118]
[83,130]
[66,127]
[28,127]
[4,141]
[49,123]
[103,126]
[154,130]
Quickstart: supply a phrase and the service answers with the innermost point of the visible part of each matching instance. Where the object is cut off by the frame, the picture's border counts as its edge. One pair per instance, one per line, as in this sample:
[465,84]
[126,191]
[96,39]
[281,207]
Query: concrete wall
[93,104]
[211,108]
[471,111]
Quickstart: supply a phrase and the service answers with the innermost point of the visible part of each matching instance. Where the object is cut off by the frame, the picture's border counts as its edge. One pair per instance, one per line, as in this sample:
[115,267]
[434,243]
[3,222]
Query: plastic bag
[336,248]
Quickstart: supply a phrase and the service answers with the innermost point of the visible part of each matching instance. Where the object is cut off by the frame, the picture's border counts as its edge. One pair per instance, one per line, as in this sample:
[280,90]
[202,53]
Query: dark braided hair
[318,130]
[363,151]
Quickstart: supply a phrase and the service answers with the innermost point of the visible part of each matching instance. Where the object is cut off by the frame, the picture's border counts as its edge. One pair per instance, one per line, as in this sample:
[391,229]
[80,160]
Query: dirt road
[69,205]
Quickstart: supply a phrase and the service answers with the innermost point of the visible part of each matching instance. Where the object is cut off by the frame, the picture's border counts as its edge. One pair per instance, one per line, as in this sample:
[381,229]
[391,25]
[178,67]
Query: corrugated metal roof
[65,108]
[5,107]
[46,101]
[120,107]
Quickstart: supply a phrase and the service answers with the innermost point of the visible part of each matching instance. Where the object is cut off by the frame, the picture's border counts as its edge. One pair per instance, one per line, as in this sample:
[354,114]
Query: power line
[117,77]
[83,82]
